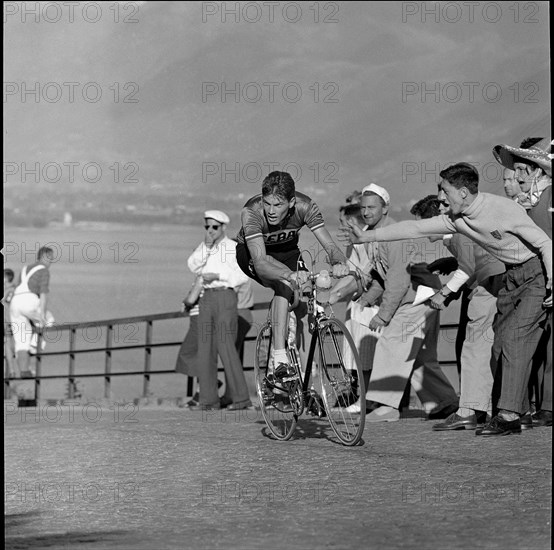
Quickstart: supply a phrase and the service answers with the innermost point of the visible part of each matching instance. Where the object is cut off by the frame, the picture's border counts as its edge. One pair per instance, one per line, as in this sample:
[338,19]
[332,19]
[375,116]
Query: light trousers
[408,344]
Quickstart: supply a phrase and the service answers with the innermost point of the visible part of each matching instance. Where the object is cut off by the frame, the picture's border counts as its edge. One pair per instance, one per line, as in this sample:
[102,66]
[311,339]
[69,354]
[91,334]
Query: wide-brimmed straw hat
[540,154]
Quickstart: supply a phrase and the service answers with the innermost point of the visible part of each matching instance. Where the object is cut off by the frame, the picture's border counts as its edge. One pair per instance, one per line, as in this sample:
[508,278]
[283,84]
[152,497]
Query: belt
[516,266]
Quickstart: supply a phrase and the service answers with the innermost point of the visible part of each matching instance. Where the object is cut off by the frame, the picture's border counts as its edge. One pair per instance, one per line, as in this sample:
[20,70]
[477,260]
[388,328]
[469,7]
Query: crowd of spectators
[503,270]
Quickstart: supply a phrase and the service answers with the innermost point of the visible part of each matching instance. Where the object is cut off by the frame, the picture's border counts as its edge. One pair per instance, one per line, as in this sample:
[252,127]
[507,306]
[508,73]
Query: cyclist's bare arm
[336,256]
[266,266]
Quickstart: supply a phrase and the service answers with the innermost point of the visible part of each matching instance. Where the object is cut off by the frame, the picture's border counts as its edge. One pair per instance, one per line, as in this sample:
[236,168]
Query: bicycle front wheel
[278,413]
[340,387]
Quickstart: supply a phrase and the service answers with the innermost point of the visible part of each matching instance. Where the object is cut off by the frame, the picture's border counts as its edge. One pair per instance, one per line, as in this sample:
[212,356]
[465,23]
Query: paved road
[153,478]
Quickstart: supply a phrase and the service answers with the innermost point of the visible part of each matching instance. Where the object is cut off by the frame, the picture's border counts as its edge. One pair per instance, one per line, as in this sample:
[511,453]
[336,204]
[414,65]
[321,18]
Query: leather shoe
[456,422]
[203,407]
[443,413]
[542,418]
[499,426]
[383,414]
[526,422]
[240,405]
[356,409]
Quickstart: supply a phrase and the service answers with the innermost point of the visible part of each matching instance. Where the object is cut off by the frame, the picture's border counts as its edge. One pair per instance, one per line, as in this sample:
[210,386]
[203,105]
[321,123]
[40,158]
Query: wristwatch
[442,293]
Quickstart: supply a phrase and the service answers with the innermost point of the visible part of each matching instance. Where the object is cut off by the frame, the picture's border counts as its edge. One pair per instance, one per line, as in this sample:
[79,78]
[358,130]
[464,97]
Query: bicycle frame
[336,385]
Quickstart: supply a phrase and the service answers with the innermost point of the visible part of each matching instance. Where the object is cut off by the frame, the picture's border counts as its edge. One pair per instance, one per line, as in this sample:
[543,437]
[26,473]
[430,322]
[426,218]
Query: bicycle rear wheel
[278,413]
[340,387]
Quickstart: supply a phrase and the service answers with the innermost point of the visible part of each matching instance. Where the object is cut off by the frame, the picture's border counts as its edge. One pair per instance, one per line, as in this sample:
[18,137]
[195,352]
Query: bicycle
[338,387]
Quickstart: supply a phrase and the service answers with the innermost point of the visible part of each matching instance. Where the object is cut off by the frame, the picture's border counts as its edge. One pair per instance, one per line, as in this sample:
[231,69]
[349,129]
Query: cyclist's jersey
[283,237]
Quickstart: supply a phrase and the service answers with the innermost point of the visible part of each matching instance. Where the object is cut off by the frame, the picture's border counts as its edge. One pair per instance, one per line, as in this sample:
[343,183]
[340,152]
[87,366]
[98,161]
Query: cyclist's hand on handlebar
[298,277]
[340,270]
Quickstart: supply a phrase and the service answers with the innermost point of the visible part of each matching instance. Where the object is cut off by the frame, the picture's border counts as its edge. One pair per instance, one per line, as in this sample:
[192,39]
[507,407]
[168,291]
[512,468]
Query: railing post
[38,366]
[147,358]
[108,363]
[71,376]
[7,374]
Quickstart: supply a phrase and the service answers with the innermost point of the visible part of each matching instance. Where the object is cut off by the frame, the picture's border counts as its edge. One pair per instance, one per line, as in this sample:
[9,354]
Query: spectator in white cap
[399,351]
[215,261]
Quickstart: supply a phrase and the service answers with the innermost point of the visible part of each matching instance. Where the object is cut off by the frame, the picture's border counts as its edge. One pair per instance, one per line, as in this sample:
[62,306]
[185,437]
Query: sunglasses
[214,227]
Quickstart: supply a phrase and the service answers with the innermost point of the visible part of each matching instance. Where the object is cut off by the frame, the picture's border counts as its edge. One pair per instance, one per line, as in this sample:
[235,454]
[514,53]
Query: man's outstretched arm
[439,225]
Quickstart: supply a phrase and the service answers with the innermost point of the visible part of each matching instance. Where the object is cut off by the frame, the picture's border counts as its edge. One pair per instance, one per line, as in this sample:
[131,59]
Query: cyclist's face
[276,208]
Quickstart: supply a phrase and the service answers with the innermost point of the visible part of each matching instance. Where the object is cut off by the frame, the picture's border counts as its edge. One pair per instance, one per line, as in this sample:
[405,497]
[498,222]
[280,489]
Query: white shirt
[221,259]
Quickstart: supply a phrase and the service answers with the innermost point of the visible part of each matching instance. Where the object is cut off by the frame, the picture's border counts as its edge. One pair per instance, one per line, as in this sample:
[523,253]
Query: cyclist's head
[280,184]
[278,195]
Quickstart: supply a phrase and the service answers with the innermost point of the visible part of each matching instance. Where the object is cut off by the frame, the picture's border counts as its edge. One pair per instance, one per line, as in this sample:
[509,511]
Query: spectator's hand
[210,277]
[344,235]
[340,270]
[350,234]
[437,301]
[444,266]
[377,324]
[548,300]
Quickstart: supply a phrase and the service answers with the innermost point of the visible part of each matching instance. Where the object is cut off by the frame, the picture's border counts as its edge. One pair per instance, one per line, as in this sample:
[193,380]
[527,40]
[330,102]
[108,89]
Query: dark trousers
[217,326]
[540,385]
[518,327]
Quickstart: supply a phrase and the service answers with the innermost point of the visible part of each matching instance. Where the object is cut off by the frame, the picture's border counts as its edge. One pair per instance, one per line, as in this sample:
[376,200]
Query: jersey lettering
[280,236]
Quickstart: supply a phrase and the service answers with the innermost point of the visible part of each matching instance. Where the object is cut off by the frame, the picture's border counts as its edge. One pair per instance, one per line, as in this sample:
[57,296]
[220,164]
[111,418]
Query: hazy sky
[197,95]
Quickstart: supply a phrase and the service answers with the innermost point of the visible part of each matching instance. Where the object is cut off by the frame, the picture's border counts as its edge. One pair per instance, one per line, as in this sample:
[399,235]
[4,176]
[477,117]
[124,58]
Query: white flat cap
[217,215]
[378,190]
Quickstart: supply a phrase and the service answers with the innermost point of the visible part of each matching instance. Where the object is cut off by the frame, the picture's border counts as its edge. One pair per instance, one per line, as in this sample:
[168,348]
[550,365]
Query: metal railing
[108,350]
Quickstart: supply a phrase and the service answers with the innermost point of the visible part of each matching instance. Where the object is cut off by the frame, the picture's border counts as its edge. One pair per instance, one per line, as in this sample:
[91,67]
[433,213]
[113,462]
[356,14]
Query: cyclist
[268,252]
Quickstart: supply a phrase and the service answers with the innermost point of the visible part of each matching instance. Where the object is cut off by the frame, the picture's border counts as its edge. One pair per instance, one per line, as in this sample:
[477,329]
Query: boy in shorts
[268,252]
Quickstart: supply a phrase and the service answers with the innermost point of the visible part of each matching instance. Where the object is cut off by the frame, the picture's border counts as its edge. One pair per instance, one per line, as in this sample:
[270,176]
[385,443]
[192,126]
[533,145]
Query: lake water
[106,272]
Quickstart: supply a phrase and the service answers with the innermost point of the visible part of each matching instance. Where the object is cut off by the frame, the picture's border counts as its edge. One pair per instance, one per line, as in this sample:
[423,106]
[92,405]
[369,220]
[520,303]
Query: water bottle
[323,286]
[291,338]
